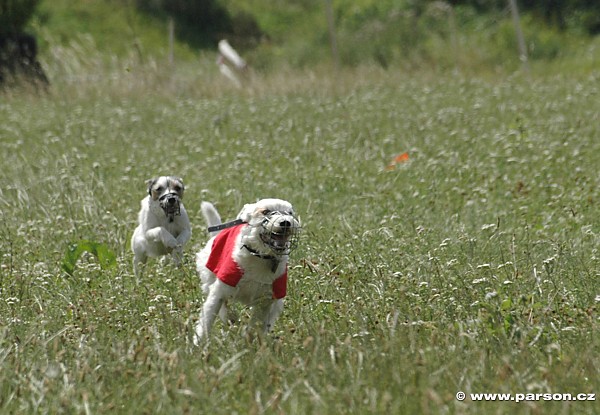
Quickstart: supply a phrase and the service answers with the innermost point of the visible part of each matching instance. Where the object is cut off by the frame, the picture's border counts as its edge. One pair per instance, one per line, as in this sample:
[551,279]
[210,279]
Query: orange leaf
[401,158]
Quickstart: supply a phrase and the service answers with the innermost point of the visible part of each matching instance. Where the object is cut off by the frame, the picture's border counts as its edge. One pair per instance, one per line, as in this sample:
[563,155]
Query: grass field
[472,266]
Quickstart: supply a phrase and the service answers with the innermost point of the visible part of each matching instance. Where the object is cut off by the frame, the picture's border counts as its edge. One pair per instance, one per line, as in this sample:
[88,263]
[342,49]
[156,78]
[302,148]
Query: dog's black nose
[171,200]
[285,224]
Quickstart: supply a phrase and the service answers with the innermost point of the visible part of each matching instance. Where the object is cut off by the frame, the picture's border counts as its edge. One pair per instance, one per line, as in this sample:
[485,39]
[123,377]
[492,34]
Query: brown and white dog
[246,261]
[164,227]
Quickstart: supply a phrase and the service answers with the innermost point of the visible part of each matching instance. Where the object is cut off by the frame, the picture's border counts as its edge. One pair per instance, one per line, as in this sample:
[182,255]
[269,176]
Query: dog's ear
[180,180]
[246,212]
[176,183]
[150,183]
[182,187]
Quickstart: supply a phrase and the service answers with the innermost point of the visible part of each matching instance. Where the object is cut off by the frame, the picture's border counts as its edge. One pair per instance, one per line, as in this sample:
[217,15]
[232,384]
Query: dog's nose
[285,224]
[172,201]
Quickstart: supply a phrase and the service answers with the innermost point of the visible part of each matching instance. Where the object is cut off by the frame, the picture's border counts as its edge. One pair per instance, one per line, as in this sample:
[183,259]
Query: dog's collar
[274,260]
[225,225]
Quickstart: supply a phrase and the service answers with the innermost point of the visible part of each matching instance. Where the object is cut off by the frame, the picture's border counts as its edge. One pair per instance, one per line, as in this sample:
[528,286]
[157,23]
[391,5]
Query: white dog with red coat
[246,261]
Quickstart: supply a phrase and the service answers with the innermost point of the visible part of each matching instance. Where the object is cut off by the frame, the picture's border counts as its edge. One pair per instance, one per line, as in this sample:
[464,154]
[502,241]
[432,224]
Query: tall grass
[472,266]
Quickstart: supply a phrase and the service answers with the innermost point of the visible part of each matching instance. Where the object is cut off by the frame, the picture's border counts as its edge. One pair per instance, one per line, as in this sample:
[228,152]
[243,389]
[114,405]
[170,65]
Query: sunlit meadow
[471,264]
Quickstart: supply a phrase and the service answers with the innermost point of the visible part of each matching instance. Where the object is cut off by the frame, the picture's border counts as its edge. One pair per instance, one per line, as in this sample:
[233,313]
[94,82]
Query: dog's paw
[173,244]
[198,335]
[178,249]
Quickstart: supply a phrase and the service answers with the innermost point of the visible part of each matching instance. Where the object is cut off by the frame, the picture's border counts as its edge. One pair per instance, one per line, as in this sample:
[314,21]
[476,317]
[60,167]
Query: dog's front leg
[218,292]
[184,237]
[160,234]
[139,260]
[181,239]
[273,314]
[267,313]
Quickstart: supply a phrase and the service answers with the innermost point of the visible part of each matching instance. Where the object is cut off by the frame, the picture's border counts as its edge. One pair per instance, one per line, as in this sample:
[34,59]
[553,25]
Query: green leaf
[105,256]
[506,304]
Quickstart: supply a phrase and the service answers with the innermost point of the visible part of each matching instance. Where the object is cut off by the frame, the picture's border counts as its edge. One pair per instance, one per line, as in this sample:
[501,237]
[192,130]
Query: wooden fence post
[514,10]
[171,41]
[332,38]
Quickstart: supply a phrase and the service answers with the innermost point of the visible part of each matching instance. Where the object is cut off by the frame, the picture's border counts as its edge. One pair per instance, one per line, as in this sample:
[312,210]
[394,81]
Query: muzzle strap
[225,225]
[170,209]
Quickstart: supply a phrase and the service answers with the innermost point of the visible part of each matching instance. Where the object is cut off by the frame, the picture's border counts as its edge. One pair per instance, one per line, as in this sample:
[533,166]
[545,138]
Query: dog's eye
[159,189]
[266,212]
[177,188]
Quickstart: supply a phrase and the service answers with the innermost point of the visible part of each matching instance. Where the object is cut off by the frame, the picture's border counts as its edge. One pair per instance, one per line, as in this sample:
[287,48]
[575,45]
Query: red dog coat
[221,263]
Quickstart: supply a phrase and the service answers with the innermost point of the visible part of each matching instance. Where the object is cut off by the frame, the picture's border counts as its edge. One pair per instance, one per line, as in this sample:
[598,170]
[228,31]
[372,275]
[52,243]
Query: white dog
[164,226]
[246,261]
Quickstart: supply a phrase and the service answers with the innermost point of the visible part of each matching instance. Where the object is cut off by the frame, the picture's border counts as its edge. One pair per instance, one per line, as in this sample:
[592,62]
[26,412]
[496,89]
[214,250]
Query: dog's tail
[211,215]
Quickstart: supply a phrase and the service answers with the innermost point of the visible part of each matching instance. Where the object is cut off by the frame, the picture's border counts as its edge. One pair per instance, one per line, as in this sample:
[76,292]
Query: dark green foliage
[201,23]
[206,15]
[563,13]
[198,22]
[18,50]
[560,13]
[14,14]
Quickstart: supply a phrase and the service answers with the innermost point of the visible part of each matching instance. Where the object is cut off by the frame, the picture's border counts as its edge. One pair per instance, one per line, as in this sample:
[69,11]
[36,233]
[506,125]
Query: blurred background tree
[18,50]
[584,14]
[14,15]
[408,34]
[201,23]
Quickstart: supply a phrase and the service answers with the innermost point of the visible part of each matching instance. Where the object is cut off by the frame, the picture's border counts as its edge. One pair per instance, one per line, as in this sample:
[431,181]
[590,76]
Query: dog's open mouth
[279,243]
[169,203]
[280,233]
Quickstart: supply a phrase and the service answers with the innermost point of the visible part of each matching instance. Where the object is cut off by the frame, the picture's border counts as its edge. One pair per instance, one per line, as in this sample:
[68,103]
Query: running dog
[164,227]
[246,261]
